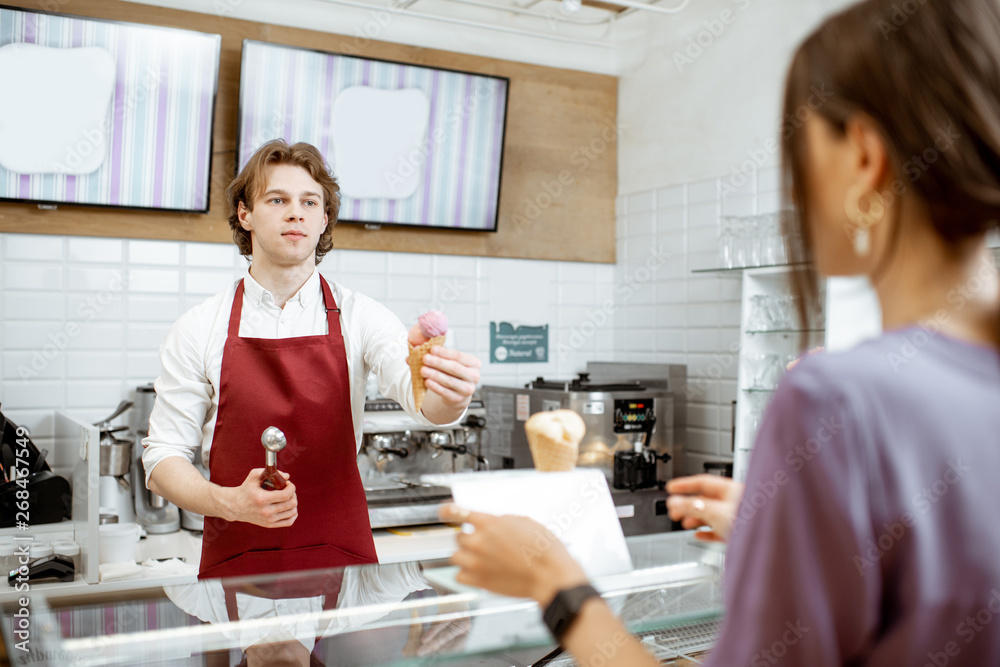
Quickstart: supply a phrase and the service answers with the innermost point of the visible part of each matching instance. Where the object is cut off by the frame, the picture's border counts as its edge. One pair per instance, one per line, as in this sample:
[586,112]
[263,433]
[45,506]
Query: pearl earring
[862,243]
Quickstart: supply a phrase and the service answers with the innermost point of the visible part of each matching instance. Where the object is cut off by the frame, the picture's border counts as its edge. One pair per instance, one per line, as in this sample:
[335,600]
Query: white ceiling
[592,38]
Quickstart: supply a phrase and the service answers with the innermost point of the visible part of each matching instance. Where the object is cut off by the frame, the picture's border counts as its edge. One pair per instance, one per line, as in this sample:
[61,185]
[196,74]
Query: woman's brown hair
[927,72]
[250,184]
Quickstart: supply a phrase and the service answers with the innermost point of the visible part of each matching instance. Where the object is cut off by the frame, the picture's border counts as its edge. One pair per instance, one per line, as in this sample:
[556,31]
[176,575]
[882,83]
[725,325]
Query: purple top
[869,532]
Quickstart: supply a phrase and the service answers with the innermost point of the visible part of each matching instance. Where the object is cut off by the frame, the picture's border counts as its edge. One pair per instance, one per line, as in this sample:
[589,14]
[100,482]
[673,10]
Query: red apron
[301,386]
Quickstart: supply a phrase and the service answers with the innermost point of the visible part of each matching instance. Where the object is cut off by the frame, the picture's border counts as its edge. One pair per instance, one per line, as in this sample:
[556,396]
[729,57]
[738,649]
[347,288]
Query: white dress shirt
[187,391]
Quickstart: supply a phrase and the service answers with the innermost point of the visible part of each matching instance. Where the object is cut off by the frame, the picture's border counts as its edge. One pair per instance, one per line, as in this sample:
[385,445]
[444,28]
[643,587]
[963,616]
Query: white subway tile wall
[673,315]
[82,319]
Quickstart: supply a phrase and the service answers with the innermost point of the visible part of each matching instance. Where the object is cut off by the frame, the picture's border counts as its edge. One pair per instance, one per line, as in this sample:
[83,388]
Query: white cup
[117,542]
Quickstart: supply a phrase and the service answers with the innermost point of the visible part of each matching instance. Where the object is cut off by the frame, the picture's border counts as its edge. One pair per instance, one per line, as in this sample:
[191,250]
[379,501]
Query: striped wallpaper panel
[289,93]
[158,135]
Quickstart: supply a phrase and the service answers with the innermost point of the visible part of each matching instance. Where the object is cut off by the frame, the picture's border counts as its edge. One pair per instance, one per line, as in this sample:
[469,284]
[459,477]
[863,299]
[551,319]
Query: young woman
[869,531]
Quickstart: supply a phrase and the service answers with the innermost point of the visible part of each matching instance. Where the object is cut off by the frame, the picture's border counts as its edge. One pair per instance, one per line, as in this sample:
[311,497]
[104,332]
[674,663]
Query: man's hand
[705,500]
[452,375]
[251,504]
[512,555]
[451,378]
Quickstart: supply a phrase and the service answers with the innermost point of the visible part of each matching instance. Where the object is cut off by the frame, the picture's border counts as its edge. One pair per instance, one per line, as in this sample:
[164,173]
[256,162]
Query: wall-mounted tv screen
[105,113]
[409,145]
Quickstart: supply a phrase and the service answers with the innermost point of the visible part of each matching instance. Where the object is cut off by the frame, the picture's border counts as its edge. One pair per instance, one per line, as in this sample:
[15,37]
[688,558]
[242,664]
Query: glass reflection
[315,619]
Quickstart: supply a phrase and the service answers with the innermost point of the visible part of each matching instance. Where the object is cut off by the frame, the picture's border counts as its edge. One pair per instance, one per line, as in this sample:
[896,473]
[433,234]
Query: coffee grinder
[153,512]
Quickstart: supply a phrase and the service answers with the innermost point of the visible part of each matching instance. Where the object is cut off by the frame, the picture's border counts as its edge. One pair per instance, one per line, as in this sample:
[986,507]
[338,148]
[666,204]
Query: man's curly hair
[252,181]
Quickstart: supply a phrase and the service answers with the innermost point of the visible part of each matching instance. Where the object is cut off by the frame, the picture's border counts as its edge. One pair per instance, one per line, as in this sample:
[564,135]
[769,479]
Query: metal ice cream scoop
[274,441]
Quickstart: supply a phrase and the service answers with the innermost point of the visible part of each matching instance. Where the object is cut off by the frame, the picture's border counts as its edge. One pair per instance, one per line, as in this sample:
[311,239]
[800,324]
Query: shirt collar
[304,297]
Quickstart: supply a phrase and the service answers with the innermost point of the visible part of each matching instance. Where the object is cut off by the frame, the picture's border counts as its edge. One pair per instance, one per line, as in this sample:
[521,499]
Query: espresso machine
[397,450]
[152,512]
[636,421]
[115,486]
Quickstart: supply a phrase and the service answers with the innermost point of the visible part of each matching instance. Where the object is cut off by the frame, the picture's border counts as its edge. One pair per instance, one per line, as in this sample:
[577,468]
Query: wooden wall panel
[560,127]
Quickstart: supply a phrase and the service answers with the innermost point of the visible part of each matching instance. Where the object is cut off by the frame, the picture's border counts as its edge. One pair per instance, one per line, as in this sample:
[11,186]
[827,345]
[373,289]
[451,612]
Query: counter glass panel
[400,614]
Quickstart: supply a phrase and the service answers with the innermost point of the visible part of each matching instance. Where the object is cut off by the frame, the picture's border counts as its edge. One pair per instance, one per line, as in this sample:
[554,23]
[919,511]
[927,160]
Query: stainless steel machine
[396,450]
[156,514]
[636,419]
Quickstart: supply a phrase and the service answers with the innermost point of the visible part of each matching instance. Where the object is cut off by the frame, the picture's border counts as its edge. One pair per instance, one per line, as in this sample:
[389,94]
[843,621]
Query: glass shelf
[757,390]
[744,268]
[785,331]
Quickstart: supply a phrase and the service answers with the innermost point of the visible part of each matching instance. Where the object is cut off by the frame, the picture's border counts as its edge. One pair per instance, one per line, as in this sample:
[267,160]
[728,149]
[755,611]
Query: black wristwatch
[565,607]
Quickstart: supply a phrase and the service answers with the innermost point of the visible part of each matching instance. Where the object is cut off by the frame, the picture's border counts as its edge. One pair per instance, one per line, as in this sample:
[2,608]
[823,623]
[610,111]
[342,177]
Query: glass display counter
[401,614]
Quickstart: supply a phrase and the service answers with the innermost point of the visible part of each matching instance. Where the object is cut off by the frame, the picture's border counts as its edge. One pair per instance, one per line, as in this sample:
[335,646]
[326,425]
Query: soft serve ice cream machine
[635,418]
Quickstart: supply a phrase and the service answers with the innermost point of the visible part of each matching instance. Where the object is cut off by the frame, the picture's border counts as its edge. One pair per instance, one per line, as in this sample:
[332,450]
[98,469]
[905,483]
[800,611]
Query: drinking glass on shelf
[818,315]
[787,311]
[773,368]
[756,321]
[726,241]
[774,317]
[739,242]
[754,238]
[780,248]
[766,241]
[754,364]
[752,424]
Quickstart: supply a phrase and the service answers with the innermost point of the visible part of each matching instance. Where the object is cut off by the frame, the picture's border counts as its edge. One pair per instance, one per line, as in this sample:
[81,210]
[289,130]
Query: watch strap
[565,607]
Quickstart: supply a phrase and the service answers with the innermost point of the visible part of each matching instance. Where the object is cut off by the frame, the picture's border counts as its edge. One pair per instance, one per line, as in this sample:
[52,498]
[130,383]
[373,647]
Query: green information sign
[520,345]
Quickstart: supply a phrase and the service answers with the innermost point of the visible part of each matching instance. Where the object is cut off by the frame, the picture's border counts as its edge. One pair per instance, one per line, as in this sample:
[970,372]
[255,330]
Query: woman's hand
[705,500]
[512,555]
[795,362]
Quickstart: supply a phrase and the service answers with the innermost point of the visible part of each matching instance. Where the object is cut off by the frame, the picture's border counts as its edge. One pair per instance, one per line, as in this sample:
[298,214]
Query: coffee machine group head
[152,511]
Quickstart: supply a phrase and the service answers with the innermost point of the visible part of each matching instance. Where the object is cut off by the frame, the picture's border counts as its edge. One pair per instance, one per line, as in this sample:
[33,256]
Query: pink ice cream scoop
[430,324]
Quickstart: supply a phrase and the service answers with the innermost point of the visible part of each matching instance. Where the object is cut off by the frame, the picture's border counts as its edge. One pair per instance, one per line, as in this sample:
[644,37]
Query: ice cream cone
[416,364]
[554,439]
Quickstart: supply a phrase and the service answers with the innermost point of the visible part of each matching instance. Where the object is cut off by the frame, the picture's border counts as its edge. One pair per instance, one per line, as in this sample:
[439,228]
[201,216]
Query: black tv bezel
[369,224]
[211,129]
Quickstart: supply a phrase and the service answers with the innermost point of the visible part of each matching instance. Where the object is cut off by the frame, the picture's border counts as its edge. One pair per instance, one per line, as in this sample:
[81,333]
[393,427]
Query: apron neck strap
[236,312]
[332,311]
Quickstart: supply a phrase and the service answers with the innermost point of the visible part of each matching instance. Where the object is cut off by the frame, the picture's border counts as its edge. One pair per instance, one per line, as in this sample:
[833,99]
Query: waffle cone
[552,455]
[554,439]
[416,364]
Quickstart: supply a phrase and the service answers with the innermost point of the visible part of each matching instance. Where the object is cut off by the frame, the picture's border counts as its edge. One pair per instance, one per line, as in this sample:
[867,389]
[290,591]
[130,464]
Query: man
[284,348]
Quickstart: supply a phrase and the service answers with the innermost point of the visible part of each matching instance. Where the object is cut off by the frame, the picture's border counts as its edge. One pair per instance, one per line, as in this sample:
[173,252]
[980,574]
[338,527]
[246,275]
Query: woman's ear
[869,158]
